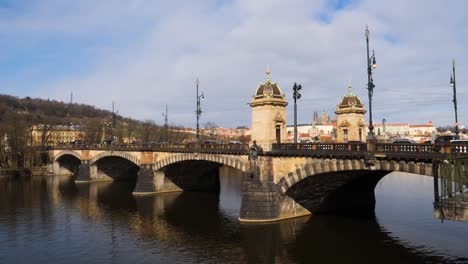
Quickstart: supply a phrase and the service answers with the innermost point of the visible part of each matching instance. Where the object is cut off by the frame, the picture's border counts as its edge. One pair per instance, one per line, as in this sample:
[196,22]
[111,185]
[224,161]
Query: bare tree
[17,140]
[147,130]
[93,132]
[210,130]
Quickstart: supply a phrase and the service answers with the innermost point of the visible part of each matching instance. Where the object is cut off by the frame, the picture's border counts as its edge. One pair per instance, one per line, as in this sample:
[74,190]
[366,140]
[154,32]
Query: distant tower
[350,118]
[268,114]
[324,118]
[315,121]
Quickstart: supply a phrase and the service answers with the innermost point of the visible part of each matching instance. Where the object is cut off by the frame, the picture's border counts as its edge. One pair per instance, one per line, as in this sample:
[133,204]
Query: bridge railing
[203,148]
[395,147]
[423,148]
[388,150]
[459,148]
[319,149]
[98,147]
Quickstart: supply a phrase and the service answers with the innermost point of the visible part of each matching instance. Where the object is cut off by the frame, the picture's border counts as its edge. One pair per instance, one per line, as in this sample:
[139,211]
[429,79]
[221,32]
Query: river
[50,219]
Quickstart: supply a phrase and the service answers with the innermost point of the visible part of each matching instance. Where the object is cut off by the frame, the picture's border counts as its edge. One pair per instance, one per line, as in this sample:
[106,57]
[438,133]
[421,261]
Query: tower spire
[268,72]
[350,92]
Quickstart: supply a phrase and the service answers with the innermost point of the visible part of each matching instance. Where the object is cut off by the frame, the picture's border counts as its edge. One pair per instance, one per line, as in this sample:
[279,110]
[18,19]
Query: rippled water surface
[51,219]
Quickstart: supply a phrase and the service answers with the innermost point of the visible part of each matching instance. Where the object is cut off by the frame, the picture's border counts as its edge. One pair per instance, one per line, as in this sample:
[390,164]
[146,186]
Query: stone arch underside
[67,152]
[66,163]
[319,166]
[187,172]
[227,160]
[345,186]
[320,185]
[122,154]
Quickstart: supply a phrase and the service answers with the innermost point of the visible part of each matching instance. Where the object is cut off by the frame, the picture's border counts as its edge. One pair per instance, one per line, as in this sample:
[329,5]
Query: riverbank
[23,172]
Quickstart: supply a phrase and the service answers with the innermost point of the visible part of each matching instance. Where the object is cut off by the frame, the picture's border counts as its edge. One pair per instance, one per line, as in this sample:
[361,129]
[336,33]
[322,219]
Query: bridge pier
[262,199]
[56,168]
[150,182]
[59,170]
[84,172]
[262,202]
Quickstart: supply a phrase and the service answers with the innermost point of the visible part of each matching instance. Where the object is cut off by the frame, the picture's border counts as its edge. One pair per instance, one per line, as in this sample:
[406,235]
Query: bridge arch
[66,162]
[320,166]
[325,185]
[121,154]
[227,160]
[68,152]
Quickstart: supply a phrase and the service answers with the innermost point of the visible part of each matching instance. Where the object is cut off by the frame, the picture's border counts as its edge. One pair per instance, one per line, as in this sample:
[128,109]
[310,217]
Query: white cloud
[229,44]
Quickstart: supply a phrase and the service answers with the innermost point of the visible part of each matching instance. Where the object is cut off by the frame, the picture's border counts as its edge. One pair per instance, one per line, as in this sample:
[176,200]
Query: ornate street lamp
[371,65]
[384,121]
[453,83]
[296,96]
[199,111]
[166,126]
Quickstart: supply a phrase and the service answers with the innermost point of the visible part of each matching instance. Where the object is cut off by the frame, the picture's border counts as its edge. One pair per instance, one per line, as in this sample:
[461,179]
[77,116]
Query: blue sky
[144,54]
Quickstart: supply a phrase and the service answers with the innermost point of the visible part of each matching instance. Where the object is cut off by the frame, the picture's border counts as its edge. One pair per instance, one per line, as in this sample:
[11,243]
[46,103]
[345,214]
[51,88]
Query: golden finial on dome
[268,72]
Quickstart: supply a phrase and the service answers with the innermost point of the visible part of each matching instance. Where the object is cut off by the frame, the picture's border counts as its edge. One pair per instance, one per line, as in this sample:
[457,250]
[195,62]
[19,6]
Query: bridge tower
[268,114]
[350,119]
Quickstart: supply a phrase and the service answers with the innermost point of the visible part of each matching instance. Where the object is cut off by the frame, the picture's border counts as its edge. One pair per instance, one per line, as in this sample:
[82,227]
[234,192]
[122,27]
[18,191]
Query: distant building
[418,132]
[55,134]
[307,132]
[350,125]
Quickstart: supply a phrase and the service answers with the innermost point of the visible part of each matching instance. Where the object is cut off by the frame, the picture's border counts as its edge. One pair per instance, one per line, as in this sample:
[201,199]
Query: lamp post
[296,96]
[166,126]
[453,83]
[371,65]
[199,111]
[113,123]
[384,121]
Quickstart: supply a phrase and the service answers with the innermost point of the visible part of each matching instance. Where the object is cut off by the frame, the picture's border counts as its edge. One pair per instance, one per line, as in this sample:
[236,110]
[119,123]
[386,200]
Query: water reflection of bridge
[195,223]
[170,223]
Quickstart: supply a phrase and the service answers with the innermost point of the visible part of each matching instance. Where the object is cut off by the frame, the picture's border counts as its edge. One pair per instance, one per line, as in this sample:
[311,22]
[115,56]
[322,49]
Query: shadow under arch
[198,175]
[116,168]
[67,163]
[343,192]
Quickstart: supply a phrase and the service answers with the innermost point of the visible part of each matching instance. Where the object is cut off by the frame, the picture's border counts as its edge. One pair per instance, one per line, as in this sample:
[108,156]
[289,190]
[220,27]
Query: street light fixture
[296,96]
[384,121]
[166,126]
[371,65]
[453,84]
[199,111]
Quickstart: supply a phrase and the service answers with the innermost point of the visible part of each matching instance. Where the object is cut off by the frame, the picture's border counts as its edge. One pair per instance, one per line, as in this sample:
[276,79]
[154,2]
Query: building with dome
[350,125]
[268,115]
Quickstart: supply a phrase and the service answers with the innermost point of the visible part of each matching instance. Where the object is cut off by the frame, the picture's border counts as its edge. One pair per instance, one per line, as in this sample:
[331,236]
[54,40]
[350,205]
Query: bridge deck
[390,151]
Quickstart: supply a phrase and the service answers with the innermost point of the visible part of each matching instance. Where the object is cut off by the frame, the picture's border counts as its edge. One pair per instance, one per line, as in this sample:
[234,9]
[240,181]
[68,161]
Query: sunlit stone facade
[350,119]
[268,115]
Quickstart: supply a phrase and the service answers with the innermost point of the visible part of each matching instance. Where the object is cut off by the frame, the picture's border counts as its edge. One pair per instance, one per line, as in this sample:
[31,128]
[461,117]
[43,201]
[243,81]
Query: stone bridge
[289,180]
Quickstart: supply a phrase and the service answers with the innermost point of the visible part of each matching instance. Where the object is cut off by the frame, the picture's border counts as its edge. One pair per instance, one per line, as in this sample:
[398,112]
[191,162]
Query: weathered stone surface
[84,172]
[145,181]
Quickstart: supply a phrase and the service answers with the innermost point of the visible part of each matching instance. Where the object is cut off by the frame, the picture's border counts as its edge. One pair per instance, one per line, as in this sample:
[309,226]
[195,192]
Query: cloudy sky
[144,54]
